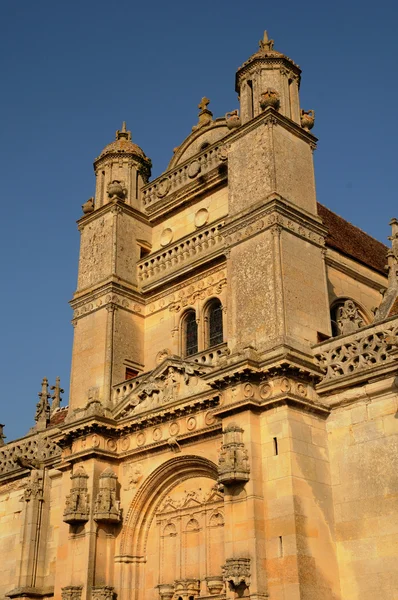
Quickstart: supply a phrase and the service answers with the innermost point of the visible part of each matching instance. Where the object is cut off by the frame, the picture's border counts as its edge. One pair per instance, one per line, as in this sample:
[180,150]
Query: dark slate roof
[352,241]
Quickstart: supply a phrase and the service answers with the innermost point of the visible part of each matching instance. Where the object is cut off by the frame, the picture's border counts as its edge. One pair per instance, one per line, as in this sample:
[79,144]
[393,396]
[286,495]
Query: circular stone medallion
[163,188]
[174,428]
[191,423]
[157,434]
[193,169]
[201,217]
[166,236]
[140,439]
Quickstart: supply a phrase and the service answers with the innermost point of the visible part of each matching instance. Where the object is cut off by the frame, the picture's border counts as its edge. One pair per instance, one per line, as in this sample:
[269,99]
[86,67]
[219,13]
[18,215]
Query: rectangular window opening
[280,546]
[276,446]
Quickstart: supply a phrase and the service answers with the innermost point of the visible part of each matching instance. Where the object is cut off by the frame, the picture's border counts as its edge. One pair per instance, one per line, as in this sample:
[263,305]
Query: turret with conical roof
[122,168]
[268,76]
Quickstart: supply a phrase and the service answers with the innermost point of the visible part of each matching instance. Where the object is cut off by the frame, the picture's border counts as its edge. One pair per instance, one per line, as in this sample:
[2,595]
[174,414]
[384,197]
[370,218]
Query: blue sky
[73,71]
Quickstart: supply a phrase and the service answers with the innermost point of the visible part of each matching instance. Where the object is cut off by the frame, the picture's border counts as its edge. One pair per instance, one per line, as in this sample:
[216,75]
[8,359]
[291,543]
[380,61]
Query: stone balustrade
[369,347]
[182,175]
[188,248]
[209,357]
[123,389]
[36,449]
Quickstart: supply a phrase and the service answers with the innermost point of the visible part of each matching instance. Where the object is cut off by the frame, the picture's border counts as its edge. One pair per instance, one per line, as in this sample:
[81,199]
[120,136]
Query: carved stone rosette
[77,508]
[107,507]
[71,592]
[102,592]
[233,462]
[236,572]
[187,587]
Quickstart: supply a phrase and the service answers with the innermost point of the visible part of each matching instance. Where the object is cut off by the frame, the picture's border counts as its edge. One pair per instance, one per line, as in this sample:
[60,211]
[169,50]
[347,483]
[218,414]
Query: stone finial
[56,396]
[117,190]
[2,436]
[391,293]
[205,115]
[269,98]
[123,134]
[266,45]
[233,119]
[307,119]
[42,415]
[88,206]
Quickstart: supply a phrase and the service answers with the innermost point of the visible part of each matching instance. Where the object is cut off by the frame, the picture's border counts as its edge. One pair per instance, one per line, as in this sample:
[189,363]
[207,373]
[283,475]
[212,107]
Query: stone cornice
[112,293]
[117,207]
[276,61]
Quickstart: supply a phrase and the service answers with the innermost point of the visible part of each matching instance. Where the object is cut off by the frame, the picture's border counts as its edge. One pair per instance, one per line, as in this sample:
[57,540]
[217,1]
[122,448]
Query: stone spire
[56,396]
[43,407]
[389,307]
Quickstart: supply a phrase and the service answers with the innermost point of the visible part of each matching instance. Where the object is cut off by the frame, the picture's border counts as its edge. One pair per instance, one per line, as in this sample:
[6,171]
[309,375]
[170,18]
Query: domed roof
[123,145]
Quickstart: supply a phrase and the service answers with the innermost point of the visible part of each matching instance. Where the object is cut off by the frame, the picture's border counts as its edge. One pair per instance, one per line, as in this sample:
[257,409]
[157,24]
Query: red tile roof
[352,241]
[58,416]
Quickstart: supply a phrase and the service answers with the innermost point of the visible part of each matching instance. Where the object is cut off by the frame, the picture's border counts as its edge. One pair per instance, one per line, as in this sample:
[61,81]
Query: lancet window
[214,324]
[190,333]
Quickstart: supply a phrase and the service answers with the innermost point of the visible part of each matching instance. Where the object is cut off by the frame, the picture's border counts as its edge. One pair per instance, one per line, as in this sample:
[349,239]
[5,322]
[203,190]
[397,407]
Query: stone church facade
[232,425]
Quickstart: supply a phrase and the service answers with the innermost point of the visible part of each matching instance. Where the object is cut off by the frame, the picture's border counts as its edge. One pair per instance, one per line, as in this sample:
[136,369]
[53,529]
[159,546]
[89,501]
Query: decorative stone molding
[117,190]
[102,592]
[107,507]
[71,592]
[348,318]
[367,349]
[102,300]
[233,463]
[77,507]
[236,572]
[215,584]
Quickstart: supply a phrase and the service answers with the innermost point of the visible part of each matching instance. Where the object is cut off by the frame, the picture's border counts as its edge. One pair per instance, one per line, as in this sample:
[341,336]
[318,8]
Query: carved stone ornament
[42,415]
[116,190]
[307,118]
[34,487]
[215,584]
[236,572]
[233,462]
[107,507]
[348,318]
[102,592]
[205,115]
[187,587]
[166,591]
[269,98]
[71,592]
[233,119]
[77,502]
[88,206]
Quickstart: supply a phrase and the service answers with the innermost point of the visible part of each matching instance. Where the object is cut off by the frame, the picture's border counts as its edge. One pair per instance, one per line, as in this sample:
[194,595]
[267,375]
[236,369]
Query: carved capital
[71,592]
[236,572]
[107,507]
[77,507]
[102,592]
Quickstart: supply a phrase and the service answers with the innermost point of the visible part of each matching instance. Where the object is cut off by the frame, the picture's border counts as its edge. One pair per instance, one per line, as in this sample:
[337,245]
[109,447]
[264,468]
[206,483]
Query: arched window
[190,333]
[214,333]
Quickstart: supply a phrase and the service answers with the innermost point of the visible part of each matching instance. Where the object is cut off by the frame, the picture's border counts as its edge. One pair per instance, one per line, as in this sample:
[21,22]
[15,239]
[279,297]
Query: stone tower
[231,430]
[108,307]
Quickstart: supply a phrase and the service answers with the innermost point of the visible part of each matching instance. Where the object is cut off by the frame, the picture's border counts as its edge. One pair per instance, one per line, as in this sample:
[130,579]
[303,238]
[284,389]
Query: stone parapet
[348,355]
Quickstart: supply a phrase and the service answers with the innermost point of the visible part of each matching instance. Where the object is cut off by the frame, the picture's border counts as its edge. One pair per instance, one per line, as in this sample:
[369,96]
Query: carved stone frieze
[233,462]
[98,301]
[215,584]
[107,507]
[186,588]
[71,592]
[166,591]
[77,507]
[236,572]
